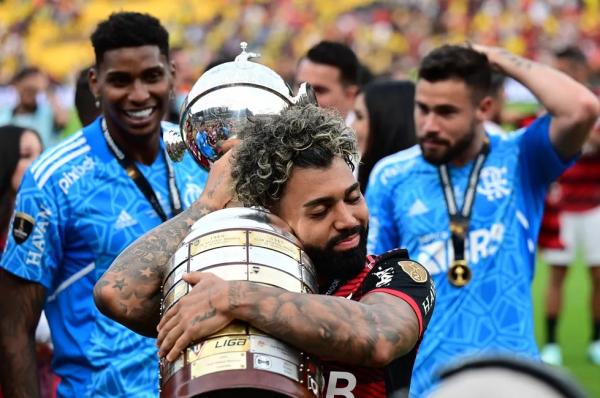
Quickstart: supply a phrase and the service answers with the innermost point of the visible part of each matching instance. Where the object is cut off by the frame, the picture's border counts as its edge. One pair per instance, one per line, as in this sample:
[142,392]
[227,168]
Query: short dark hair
[571,53]
[25,73]
[458,62]
[339,56]
[497,82]
[301,136]
[129,29]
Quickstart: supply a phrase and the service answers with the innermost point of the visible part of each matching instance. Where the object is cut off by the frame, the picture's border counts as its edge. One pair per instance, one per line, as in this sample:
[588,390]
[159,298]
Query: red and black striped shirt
[391,273]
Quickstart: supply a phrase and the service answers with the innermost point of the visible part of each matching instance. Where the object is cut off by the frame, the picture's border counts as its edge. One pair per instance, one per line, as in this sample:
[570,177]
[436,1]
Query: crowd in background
[390,37]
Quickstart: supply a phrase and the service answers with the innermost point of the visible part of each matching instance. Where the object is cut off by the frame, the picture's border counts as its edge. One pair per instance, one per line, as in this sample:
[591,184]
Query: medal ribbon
[141,182]
[459,221]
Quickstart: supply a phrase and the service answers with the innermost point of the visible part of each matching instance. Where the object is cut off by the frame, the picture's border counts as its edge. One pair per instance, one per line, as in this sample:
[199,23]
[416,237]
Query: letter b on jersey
[347,382]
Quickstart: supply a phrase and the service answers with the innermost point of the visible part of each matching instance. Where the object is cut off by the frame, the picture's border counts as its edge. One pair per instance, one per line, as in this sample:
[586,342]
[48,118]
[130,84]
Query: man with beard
[468,204]
[371,313]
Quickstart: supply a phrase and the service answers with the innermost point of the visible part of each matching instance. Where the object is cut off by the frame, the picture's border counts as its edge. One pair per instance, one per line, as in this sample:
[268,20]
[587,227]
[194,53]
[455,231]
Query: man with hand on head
[80,204]
[468,204]
[371,313]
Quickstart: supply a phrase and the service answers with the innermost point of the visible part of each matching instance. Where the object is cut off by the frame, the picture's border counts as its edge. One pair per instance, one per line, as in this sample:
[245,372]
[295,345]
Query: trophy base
[234,383]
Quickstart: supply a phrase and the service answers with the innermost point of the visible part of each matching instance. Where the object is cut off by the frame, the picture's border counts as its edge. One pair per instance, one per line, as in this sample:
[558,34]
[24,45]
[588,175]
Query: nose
[344,217]
[430,122]
[139,92]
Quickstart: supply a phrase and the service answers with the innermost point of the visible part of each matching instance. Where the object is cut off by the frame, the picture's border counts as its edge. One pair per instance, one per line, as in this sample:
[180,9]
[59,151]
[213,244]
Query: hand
[218,191]
[196,315]
[492,53]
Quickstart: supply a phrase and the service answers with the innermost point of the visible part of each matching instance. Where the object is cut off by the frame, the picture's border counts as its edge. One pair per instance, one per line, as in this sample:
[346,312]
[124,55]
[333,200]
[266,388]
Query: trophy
[225,98]
[242,244]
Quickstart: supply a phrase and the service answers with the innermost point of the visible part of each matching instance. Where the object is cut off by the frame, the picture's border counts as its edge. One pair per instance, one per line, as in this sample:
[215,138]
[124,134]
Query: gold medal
[459,273]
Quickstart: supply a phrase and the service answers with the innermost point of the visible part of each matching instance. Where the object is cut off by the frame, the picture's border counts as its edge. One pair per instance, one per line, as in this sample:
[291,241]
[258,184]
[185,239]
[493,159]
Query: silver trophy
[223,100]
[243,244]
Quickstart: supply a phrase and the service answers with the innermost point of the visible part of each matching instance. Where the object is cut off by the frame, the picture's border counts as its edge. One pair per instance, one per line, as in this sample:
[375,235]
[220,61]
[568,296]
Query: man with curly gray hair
[369,319]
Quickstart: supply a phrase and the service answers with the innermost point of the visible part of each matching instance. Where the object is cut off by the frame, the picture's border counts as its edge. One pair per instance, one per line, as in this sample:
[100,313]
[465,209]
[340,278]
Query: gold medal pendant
[459,273]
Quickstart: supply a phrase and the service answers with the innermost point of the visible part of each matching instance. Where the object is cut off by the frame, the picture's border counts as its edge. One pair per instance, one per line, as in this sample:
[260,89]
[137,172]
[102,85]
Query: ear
[484,108]
[93,81]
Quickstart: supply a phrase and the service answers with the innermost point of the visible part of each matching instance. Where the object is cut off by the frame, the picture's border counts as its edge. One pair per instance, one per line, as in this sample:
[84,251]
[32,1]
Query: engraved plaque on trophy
[245,244]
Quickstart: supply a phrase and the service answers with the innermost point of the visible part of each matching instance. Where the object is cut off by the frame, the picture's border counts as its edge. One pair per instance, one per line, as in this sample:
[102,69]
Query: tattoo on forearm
[136,275]
[519,62]
[119,284]
[330,326]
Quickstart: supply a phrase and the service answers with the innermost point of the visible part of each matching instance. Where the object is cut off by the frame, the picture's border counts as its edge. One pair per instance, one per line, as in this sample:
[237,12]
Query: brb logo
[482,243]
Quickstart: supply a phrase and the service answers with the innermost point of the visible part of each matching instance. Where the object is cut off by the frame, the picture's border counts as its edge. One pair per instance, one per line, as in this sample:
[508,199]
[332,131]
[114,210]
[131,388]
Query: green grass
[574,326]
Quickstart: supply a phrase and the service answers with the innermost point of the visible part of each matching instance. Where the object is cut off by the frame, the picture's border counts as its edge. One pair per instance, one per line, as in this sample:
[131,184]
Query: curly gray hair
[300,136]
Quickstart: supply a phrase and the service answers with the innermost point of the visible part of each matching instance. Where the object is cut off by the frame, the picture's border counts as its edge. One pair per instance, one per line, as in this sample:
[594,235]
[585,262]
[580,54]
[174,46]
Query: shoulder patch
[415,270]
[22,227]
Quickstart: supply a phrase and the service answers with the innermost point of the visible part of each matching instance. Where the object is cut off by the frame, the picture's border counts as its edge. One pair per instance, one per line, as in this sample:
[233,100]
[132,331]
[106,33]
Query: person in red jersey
[571,219]
[369,318]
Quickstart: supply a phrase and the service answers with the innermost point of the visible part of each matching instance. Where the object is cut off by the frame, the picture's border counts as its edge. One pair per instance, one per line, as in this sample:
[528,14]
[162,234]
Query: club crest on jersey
[415,270]
[22,227]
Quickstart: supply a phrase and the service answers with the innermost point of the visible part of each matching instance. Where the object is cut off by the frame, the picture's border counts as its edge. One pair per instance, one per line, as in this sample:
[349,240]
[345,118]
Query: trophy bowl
[223,100]
[243,244]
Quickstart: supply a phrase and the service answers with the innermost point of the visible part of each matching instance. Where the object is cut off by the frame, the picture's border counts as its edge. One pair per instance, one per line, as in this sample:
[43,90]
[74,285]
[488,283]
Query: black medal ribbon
[459,272]
[141,182]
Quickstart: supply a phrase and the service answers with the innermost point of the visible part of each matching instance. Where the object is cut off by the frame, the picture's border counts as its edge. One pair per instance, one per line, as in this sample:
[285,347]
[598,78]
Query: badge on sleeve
[22,227]
[415,270]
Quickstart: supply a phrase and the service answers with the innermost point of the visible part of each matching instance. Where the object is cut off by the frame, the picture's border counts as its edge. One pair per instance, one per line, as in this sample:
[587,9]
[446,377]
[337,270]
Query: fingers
[166,345]
[193,278]
[166,317]
[181,343]
[230,143]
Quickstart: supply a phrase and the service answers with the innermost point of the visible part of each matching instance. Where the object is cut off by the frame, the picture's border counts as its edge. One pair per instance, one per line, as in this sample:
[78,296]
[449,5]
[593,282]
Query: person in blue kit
[80,204]
[468,205]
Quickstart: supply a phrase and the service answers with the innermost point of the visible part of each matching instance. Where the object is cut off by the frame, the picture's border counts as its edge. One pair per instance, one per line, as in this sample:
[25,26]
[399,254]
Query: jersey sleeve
[540,163]
[33,248]
[394,273]
[383,233]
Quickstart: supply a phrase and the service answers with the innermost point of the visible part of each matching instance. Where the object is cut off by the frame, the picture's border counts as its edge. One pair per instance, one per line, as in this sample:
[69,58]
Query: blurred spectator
[19,147]
[384,123]
[47,115]
[570,224]
[86,105]
[332,69]
[493,123]
[505,377]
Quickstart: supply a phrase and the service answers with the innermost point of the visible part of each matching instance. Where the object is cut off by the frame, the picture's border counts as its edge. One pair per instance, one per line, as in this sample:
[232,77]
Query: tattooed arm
[20,311]
[574,108]
[371,332]
[129,291]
